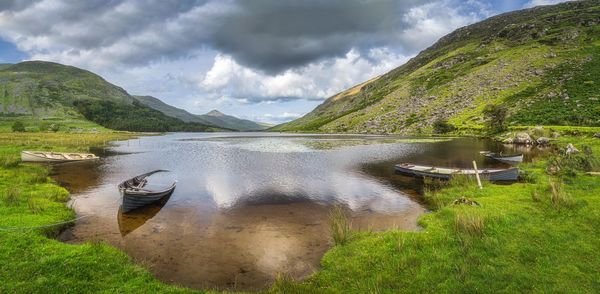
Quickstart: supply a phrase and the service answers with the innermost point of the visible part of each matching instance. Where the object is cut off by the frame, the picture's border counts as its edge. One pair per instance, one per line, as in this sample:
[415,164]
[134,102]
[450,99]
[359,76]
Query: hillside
[41,89]
[214,117]
[543,64]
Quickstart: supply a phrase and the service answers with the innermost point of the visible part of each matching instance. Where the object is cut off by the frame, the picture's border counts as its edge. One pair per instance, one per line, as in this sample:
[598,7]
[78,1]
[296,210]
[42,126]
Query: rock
[522,138]
[555,135]
[571,149]
[507,141]
[597,135]
[543,141]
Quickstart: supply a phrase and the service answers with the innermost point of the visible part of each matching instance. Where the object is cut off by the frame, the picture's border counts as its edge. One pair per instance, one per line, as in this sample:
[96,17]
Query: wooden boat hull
[510,174]
[134,201]
[135,195]
[43,156]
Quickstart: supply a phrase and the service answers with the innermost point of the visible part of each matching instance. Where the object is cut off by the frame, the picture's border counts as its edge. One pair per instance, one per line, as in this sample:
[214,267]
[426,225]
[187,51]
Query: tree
[441,126]
[495,118]
[18,126]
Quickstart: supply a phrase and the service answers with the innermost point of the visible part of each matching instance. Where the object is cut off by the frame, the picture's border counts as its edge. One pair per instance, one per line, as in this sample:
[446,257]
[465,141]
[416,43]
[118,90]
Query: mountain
[543,64]
[213,117]
[46,89]
[217,118]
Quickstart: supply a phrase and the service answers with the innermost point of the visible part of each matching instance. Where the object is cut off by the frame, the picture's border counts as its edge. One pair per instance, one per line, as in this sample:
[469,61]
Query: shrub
[18,126]
[339,225]
[495,118]
[441,126]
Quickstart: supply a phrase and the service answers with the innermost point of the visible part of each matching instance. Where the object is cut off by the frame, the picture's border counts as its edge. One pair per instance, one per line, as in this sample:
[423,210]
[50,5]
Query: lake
[249,206]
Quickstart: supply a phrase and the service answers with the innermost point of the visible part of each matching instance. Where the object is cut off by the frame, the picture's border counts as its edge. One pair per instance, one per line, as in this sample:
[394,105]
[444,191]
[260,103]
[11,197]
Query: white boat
[420,171]
[48,156]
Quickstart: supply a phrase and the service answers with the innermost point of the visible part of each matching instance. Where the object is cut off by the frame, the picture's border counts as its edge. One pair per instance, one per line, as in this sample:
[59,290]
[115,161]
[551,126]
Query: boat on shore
[506,158]
[446,173]
[137,192]
[48,156]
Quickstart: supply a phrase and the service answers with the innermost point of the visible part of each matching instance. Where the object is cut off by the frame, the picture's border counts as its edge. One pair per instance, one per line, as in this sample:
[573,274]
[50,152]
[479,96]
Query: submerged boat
[137,192]
[420,171]
[506,158]
[48,156]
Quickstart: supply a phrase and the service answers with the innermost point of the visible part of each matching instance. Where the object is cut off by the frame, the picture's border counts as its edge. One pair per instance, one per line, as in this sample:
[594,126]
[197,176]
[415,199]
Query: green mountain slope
[542,63]
[44,89]
[214,117]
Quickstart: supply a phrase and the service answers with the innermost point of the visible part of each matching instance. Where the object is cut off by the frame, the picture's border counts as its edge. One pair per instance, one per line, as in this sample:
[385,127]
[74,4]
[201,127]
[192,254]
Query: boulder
[543,141]
[555,135]
[571,149]
[522,138]
[597,135]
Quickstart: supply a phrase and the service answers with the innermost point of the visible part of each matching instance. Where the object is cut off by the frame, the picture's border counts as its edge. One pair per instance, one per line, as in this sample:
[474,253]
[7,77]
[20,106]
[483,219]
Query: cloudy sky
[267,60]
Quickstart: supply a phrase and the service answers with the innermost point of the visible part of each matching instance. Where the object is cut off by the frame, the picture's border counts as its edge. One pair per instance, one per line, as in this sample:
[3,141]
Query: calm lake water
[251,205]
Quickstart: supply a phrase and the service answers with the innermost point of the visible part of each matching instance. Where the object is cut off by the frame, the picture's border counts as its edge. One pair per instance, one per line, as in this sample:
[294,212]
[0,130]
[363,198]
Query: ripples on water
[250,206]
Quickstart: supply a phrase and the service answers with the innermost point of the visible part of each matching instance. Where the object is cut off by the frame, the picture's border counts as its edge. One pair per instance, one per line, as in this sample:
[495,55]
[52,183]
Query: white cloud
[317,80]
[534,3]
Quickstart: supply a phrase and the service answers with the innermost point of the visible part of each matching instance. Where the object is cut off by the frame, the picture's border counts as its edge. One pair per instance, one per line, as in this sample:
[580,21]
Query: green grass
[538,236]
[32,261]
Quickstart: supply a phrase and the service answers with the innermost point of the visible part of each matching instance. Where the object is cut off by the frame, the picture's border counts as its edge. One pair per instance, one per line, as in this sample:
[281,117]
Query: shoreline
[41,240]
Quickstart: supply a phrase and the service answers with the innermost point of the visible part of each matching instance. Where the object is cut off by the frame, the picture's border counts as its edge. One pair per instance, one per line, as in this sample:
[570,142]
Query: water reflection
[130,221]
[250,206]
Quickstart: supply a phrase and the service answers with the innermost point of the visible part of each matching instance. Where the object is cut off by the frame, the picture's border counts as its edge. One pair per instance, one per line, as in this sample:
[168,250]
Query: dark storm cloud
[270,35]
[275,35]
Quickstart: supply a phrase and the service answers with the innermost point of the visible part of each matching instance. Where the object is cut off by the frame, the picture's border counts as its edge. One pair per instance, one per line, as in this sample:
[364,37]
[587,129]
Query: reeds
[339,225]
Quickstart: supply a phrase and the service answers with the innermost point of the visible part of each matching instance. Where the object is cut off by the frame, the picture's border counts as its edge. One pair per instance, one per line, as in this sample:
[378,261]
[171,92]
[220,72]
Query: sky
[265,60]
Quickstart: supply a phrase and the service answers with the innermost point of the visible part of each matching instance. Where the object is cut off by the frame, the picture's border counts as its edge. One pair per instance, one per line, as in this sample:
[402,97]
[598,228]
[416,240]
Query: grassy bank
[537,236]
[32,261]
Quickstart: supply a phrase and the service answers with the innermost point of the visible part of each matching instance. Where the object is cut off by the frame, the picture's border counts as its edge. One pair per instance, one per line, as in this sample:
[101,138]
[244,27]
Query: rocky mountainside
[543,64]
[44,89]
[214,117]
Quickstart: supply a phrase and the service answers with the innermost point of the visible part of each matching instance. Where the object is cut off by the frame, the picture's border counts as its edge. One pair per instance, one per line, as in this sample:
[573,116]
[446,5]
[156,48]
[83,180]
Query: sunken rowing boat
[505,158]
[47,156]
[421,171]
[137,192]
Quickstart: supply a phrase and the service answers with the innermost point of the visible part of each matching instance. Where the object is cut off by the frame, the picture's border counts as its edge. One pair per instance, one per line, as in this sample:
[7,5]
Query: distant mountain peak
[215,112]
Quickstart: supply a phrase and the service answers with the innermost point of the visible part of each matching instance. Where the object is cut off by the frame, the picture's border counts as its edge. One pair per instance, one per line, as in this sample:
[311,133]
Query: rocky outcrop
[522,138]
[571,149]
[543,141]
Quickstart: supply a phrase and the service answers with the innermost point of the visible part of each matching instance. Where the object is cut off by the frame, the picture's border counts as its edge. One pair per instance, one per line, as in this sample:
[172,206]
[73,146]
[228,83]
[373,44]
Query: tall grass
[10,197]
[9,160]
[469,223]
[339,225]
[559,197]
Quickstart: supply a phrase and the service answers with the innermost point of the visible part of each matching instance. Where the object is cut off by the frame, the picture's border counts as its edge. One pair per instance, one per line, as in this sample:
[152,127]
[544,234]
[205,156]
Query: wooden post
[477,175]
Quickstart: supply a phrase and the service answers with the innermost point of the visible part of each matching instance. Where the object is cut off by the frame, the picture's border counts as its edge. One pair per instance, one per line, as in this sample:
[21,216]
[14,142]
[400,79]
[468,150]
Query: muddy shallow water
[249,206]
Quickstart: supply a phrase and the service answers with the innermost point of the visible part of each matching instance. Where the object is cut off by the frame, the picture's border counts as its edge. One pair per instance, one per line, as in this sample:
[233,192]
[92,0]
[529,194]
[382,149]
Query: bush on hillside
[495,118]
[441,126]
[18,126]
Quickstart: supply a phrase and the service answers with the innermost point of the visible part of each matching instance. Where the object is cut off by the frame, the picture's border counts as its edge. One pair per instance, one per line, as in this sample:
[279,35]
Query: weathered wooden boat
[48,156]
[137,192]
[420,171]
[506,158]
